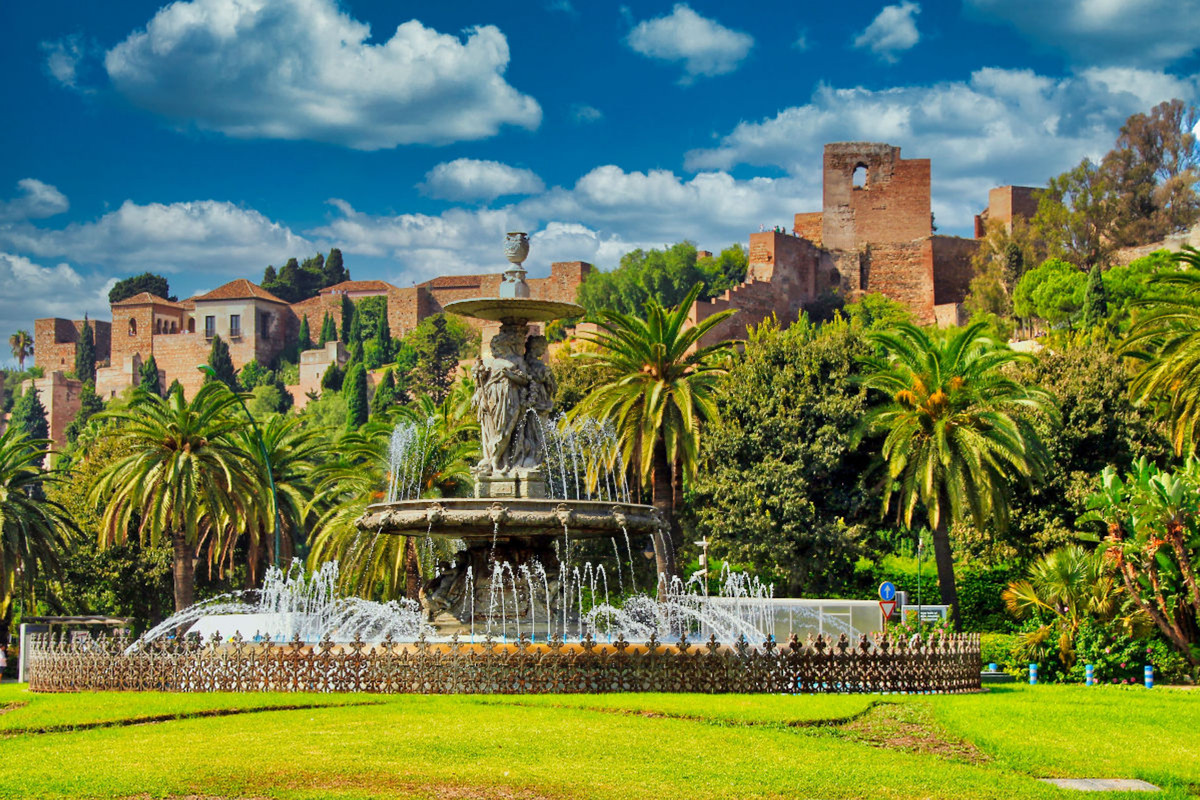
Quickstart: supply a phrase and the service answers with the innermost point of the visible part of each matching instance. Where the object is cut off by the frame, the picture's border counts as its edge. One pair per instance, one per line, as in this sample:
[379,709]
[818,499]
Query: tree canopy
[146,282]
[665,276]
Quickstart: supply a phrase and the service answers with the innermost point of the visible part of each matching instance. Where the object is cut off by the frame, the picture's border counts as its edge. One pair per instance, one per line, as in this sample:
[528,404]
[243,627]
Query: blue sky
[206,139]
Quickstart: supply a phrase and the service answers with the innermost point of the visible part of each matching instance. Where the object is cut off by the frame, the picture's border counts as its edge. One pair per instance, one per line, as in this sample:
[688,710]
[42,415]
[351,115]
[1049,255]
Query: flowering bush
[909,626]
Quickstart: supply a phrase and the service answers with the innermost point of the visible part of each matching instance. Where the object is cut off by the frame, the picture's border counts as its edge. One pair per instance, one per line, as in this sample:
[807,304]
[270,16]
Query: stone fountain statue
[511,523]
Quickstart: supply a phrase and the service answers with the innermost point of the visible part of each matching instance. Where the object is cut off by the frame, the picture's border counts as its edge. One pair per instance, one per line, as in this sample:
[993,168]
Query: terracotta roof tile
[357,286]
[145,298]
[240,289]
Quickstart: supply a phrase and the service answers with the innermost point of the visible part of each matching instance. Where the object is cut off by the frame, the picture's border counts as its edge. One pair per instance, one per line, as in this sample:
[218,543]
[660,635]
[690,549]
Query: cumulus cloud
[35,200]
[200,237]
[893,31]
[1143,33]
[606,213]
[470,179]
[64,60]
[32,291]
[304,69]
[705,46]
[999,127]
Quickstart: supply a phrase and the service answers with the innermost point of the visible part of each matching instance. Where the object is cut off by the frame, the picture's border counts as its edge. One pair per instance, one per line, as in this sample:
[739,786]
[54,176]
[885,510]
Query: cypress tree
[383,337]
[333,269]
[356,396]
[1095,299]
[29,415]
[222,364]
[385,394]
[175,386]
[347,319]
[328,329]
[85,354]
[305,336]
[437,360]
[356,331]
[149,373]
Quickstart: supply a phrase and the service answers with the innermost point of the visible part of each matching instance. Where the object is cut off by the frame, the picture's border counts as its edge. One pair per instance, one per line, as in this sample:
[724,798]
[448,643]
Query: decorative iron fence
[943,664]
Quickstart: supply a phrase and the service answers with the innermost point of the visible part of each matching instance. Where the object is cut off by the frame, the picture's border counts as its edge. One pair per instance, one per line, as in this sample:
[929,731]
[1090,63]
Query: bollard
[992,667]
[1032,674]
[1089,675]
[1149,676]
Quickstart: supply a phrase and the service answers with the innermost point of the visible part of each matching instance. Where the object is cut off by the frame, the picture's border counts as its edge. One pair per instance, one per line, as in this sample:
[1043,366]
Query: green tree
[659,395]
[29,416]
[1095,302]
[333,379]
[665,276]
[185,477]
[21,344]
[1052,292]
[385,394]
[1076,213]
[347,320]
[1152,521]
[305,336]
[328,330]
[956,431]
[34,531]
[149,377]
[358,410]
[439,344]
[222,364]
[85,354]
[783,488]
[334,271]
[146,282]
[1166,338]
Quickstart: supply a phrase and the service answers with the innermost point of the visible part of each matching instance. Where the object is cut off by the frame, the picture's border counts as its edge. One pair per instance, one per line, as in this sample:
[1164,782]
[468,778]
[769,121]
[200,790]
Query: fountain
[517,530]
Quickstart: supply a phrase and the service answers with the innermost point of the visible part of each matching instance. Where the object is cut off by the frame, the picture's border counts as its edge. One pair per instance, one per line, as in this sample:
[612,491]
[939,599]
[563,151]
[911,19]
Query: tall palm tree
[659,393]
[22,347]
[187,477]
[1167,338]
[373,564]
[956,431]
[34,531]
[294,452]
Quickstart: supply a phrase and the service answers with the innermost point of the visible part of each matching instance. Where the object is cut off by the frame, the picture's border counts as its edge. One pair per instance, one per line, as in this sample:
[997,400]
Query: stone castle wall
[55,340]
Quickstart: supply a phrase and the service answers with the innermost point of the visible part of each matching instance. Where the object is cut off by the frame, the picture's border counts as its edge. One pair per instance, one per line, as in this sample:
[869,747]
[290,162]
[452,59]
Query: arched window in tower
[192,325]
[173,328]
[132,326]
[859,179]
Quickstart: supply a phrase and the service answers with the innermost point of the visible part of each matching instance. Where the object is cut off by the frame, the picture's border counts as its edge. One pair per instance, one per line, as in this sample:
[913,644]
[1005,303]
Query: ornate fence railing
[942,664]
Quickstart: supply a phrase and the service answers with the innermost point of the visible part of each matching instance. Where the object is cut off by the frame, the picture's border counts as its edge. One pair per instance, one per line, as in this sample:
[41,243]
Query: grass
[992,745]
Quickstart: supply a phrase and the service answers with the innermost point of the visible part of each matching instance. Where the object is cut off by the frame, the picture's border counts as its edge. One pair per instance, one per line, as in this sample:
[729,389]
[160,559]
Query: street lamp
[703,545]
[262,448]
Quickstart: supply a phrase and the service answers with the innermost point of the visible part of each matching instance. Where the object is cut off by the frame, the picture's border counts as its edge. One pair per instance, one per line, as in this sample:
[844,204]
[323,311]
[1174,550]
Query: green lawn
[625,746]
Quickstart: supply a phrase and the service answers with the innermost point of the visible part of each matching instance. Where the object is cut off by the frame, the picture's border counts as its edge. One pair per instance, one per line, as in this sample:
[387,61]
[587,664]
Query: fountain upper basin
[516,309]
[485,519]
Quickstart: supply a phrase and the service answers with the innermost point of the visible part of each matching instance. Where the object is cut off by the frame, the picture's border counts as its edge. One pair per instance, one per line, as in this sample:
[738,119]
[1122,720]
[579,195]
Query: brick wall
[902,271]
[892,206]
[133,331]
[952,269]
[55,339]
[113,380]
[809,226]
[60,396]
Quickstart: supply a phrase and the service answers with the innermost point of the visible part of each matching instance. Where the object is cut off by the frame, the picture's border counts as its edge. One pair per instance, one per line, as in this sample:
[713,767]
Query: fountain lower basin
[487,519]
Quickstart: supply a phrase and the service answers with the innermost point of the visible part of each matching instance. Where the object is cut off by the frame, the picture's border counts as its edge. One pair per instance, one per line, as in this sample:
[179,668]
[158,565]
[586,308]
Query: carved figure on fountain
[499,394]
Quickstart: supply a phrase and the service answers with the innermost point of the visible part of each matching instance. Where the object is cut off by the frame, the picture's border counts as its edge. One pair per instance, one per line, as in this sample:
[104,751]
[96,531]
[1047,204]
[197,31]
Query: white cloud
[705,46]
[893,31]
[1000,127]
[35,201]
[583,113]
[63,60]
[32,291]
[304,69]
[1144,33]
[606,213]
[201,237]
[470,179]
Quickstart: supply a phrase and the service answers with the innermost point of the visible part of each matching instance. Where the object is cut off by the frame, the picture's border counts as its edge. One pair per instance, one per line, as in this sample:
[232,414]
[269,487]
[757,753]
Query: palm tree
[658,394]
[22,347]
[33,531]
[1167,338]
[373,564]
[1068,586]
[293,453]
[186,477]
[956,433]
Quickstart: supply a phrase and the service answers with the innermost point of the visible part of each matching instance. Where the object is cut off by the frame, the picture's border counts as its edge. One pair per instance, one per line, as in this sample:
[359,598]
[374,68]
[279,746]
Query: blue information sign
[887,591]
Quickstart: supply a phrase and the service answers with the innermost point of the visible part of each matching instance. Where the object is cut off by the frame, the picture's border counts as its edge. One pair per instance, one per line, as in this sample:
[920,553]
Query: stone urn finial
[516,247]
[516,250]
